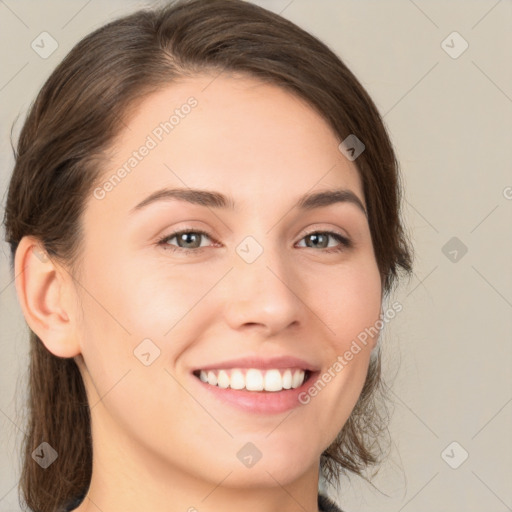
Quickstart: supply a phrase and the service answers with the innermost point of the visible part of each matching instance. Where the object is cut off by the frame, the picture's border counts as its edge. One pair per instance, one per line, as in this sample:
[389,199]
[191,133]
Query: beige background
[450,119]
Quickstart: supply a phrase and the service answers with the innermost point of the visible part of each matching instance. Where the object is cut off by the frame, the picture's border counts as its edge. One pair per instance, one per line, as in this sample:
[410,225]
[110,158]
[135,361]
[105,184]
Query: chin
[275,466]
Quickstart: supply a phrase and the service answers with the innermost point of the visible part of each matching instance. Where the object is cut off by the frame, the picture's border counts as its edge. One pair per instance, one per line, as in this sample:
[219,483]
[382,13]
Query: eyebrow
[212,199]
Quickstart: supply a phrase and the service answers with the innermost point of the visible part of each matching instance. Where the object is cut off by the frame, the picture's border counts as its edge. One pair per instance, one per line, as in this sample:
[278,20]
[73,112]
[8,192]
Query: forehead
[249,139]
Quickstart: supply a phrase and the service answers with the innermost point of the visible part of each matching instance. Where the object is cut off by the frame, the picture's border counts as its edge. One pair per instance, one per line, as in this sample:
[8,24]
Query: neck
[128,477]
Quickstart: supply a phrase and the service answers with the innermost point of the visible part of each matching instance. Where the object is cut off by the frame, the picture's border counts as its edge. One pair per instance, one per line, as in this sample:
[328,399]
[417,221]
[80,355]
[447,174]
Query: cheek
[349,302]
[132,308]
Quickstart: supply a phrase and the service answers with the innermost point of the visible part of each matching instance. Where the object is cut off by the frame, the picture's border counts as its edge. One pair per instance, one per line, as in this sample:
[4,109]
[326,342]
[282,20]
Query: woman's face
[269,279]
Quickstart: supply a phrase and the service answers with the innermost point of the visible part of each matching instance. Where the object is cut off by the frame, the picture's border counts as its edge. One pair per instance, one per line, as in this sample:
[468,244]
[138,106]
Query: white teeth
[287,379]
[273,381]
[212,378]
[253,379]
[223,379]
[297,380]
[237,380]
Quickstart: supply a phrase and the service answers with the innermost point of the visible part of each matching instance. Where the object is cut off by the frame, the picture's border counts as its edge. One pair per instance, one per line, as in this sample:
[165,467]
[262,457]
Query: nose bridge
[261,288]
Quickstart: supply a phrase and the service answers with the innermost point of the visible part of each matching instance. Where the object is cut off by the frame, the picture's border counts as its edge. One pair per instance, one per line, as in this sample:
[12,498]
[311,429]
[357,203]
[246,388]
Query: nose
[263,295]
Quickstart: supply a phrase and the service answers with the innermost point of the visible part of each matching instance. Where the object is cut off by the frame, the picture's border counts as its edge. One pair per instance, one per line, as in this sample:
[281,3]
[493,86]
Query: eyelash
[345,243]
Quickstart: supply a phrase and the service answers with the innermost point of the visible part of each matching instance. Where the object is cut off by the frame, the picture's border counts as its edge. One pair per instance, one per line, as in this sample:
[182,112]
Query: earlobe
[41,288]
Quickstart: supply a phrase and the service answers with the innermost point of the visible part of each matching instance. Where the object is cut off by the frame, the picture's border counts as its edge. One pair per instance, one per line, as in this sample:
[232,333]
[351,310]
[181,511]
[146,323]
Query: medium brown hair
[75,118]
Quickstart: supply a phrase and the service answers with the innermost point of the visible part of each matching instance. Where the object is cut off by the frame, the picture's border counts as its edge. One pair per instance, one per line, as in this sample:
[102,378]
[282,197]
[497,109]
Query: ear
[45,292]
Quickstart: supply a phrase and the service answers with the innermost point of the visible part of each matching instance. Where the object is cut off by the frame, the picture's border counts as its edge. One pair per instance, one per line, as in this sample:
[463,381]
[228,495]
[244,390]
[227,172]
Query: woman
[204,224]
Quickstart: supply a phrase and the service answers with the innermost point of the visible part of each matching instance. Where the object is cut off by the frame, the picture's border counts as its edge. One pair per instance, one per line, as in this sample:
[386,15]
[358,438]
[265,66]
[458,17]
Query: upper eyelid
[213,239]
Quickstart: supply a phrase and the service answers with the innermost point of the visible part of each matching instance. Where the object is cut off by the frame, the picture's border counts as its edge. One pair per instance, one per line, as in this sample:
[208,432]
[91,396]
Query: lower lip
[261,402]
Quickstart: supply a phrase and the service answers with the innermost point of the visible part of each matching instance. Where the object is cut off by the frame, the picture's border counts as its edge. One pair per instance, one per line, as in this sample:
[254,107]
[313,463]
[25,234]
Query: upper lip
[262,363]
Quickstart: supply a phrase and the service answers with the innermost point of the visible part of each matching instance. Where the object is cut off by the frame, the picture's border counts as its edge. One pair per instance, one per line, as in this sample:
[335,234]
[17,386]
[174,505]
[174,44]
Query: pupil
[186,237]
[315,238]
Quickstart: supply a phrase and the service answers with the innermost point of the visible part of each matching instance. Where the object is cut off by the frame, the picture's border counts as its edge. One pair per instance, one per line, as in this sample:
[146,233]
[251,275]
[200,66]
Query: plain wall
[450,120]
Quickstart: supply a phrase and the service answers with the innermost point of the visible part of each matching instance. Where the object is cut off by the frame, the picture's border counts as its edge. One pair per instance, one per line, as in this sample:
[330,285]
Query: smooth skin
[161,442]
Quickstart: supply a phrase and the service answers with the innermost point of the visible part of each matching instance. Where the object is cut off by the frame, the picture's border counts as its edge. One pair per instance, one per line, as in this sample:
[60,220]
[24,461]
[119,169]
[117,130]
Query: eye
[321,238]
[189,241]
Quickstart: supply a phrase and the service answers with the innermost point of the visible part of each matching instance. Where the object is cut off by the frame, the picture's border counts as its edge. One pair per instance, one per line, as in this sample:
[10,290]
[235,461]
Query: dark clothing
[325,504]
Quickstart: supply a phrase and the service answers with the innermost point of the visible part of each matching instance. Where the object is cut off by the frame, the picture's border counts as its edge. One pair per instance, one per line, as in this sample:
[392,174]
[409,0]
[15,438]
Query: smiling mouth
[254,379]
